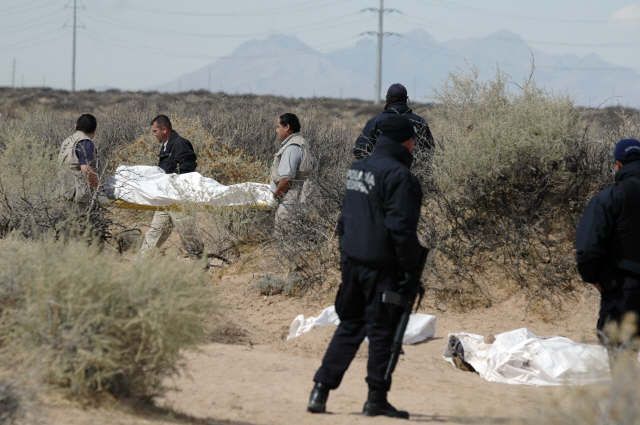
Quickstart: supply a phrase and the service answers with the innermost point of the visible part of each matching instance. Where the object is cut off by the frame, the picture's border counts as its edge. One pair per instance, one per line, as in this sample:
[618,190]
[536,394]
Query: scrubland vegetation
[511,171]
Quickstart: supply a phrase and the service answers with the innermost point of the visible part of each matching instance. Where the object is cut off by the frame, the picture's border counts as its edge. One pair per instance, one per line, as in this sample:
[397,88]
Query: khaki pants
[294,200]
[161,226]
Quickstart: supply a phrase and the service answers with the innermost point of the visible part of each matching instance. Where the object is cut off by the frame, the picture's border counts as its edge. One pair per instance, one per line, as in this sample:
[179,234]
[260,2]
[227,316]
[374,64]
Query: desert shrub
[291,285]
[225,230]
[9,404]
[118,126]
[98,324]
[272,285]
[511,171]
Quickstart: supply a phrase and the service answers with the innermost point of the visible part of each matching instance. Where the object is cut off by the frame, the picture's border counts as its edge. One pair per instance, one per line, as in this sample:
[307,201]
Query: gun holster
[394,298]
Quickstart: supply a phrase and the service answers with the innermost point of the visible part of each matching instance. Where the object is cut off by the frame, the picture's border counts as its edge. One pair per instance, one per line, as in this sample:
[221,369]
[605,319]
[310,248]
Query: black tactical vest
[627,235]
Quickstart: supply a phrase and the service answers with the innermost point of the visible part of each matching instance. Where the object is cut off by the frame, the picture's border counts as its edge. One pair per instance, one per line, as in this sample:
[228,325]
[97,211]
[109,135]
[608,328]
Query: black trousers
[362,313]
[619,297]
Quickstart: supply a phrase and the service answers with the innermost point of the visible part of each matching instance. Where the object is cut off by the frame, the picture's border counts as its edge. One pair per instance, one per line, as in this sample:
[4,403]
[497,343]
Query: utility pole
[73,47]
[379,62]
[13,74]
[380,34]
[209,81]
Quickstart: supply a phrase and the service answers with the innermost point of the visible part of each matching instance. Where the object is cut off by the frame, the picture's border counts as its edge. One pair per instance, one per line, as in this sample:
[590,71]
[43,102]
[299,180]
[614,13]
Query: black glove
[408,283]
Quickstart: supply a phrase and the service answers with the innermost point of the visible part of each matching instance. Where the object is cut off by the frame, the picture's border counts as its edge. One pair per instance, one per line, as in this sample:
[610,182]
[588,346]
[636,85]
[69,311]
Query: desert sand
[252,375]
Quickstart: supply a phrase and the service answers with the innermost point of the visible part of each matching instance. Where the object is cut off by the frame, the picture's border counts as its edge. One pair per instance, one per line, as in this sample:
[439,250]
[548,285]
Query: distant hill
[283,65]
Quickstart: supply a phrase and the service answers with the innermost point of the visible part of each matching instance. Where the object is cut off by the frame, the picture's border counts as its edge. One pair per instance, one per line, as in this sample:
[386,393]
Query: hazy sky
[135,44]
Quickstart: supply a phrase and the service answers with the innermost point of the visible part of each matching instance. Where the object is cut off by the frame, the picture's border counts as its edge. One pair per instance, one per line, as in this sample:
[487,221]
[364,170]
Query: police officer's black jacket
[178,156]
[367,139]
[381,208]
[608,235]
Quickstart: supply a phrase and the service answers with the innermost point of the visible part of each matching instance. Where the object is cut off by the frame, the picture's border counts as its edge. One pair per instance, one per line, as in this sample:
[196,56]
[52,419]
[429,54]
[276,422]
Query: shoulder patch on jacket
[360,181]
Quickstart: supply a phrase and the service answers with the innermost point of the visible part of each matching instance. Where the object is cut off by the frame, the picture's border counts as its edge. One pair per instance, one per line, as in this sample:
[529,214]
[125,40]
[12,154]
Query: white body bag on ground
[420,327]
[151,186]
[521,357]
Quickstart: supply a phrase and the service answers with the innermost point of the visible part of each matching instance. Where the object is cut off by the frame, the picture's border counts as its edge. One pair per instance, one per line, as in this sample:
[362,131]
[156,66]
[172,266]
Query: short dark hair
[291,120]
[87,123]
[162,121]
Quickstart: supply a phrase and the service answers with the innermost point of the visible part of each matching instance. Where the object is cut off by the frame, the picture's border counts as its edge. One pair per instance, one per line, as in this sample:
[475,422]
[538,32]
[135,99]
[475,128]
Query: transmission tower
[380,35]
[73,47]
[13,74]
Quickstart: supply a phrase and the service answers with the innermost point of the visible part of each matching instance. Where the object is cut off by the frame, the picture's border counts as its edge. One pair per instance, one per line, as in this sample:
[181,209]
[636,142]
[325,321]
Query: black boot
[377,404]
[318,398]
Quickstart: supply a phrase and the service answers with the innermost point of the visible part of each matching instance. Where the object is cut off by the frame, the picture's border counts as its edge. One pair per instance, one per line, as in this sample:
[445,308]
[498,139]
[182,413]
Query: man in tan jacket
[77,160]
[291,167]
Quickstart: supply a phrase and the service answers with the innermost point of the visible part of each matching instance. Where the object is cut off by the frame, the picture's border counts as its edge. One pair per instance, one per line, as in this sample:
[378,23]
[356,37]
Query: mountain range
[283,65]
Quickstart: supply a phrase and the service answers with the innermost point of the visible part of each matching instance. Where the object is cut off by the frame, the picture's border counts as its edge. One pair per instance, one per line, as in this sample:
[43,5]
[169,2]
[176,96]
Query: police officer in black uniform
[396,104]
[379,251]
[607,250]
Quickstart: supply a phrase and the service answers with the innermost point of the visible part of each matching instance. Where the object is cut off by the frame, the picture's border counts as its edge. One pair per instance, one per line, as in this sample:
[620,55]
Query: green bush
[98,323]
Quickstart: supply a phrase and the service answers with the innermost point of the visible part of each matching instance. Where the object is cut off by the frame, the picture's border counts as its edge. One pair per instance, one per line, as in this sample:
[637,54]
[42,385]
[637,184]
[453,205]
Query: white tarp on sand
[150,186]
[521,357]
[420,327]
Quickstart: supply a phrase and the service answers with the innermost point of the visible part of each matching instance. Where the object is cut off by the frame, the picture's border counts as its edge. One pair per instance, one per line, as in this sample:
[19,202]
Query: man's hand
[91,175]
[408,283]
[282,188]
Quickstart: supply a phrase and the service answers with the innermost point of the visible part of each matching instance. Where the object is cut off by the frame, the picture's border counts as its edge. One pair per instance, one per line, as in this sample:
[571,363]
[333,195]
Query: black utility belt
[378,265]
[629,266]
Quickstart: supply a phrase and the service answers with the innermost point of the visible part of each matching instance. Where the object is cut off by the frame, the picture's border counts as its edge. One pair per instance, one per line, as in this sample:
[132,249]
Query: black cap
[398,128]
[627,150]
[396,92]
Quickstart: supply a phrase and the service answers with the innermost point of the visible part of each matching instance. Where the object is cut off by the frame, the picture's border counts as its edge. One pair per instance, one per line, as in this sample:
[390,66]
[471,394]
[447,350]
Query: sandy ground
[256,377]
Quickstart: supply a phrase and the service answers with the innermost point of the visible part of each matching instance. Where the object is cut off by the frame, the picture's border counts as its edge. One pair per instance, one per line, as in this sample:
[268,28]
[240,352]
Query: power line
[22,9]
[35,23]
[315,26]
[42,36]
[73,46]
[299,7]
[613,45]
[448,3]
[155,49]
[13,74]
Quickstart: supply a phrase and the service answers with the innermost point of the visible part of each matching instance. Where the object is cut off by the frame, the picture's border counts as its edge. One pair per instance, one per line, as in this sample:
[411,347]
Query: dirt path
[264,379]
[268,381]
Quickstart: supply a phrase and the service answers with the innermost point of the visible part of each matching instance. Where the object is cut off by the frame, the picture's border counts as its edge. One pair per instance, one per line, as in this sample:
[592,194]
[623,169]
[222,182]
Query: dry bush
[19,405]
[10,402]
[97,324]
[510,174]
